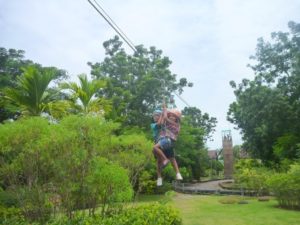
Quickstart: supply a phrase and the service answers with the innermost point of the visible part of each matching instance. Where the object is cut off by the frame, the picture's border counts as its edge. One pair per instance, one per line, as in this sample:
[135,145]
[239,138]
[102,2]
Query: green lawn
[207,210]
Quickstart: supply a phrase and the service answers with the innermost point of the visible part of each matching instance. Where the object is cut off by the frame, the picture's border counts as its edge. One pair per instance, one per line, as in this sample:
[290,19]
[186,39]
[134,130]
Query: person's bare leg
[174,164]
[158,168]
[159,153]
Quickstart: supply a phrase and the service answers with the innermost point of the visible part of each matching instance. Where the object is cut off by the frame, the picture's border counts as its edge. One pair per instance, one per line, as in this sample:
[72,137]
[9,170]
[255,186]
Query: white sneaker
[178,176]
[159,181]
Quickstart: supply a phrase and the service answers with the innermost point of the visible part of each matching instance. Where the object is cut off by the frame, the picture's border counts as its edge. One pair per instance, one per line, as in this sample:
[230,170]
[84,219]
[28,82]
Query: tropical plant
[12,64]
[85,92]
[31,94]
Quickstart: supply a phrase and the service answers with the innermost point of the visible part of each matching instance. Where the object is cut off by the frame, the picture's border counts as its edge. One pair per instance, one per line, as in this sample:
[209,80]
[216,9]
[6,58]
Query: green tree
[85,92]
[195,118]
[196,128]
[237,151]
[191,151]
[137,83]
[12,64]
[67,162]
[268,107]
[107,183]
[30,93]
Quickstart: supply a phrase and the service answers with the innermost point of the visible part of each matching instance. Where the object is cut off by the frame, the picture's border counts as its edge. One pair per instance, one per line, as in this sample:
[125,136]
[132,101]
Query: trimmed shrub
[229,200]
[286,187]
[149,214]
[253,179]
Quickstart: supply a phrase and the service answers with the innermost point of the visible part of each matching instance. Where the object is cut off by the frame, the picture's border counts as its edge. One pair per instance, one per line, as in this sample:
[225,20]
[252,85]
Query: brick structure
[227,154]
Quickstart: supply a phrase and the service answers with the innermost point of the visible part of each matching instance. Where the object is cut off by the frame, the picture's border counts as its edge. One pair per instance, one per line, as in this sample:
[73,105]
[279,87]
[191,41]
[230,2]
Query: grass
[150,198]
[208,210]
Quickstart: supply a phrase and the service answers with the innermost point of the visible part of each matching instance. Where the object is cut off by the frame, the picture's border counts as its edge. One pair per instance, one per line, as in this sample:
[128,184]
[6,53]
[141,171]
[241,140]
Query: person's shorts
[167,145]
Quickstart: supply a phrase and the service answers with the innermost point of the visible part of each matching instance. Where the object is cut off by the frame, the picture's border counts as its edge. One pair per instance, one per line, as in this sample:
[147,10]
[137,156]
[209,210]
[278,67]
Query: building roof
[212,154]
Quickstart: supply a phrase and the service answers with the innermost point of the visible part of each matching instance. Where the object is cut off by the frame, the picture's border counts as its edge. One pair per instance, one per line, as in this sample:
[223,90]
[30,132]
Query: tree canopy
[136,84]
[267,108]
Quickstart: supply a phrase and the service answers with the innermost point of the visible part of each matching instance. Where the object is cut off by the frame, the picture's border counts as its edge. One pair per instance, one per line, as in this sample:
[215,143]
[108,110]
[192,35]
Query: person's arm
[170,121]
[166,117]
[161,119]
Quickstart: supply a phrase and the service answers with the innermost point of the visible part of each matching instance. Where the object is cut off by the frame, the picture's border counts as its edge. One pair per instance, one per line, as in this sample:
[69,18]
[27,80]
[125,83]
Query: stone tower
[227,153]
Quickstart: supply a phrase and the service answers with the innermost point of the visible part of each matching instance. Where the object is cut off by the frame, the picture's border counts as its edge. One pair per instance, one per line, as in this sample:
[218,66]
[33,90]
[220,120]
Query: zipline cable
[113,22]
[184,101]
[110,21]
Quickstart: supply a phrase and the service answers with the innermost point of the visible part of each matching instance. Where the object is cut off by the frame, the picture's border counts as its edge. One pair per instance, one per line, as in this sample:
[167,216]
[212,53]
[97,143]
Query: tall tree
[12,63]
[195,118]
[30,93]
[137,83]
[268,107]
[196,128]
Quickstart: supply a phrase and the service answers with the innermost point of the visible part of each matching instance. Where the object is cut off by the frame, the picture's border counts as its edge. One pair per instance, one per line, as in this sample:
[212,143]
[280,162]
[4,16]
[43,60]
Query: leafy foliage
[286,187]
[12,65]
[150,214]
[194,117]
[11,62]
[190,147]
[75,164]
[267,108]
[251,175]
[85,93]
[31,93]
[136,84]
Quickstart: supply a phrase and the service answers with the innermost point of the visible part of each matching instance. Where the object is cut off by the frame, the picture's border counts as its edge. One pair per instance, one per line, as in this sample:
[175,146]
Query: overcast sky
[208,41]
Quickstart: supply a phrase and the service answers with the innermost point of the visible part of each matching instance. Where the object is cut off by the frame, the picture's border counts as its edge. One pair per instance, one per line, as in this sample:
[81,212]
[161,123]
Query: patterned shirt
[170,130]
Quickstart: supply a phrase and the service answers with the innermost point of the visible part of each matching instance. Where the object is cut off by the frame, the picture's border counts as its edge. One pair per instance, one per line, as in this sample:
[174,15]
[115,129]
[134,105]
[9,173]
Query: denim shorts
[167,145]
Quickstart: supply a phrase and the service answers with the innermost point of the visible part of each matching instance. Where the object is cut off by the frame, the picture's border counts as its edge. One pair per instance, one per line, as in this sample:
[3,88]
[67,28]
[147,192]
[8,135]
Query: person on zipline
[166,128]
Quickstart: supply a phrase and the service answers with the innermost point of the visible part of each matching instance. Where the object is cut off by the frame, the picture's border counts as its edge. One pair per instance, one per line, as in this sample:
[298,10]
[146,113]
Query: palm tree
[86,92]
[31,94]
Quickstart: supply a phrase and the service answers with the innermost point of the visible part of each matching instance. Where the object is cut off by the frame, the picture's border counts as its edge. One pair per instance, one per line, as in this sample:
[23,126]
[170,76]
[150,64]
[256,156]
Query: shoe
[178,176]
[159,181]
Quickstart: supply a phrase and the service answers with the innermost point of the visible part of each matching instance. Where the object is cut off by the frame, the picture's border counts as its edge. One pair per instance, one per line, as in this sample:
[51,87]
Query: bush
[147,184]
[12,216]
[250,175]
[107,183]
[229,200]
[9,213]
[8,199]
[150,214]
[80,160]
[286,187]
[253,179]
